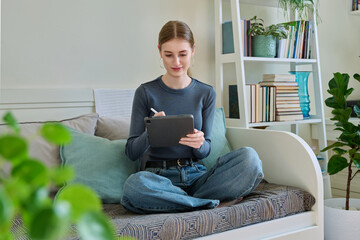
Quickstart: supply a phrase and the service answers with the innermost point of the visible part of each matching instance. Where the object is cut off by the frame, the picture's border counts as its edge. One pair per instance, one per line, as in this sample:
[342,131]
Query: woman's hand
[159,114]
[194,140]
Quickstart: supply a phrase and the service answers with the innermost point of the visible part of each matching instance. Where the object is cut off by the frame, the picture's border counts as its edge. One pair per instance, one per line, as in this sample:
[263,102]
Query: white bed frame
[287,159]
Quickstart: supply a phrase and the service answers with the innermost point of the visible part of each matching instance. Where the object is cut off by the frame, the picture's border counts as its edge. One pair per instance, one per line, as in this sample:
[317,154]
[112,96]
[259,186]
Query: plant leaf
[356,160]
[50,223]
[13,147]
[336,144]
[6,211]
[331,102]
[339,151]
[56,133]
[357,76]
[75,194]
[61,175]
[32,172]
[10,120]
[37,200]
[95,226]
[336,164]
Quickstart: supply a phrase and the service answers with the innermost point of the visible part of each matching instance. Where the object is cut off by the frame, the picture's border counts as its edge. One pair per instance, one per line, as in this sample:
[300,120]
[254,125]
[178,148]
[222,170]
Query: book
[291,117]
[248,101]
[289,101]
[272,107]
[258,103]
[278,84]
[253,103]
[279,77]
[227,38]
[287,105]
[281,110]
[233,102]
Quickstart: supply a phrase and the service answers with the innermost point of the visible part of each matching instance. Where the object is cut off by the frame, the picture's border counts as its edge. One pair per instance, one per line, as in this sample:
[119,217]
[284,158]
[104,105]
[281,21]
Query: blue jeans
[180,189]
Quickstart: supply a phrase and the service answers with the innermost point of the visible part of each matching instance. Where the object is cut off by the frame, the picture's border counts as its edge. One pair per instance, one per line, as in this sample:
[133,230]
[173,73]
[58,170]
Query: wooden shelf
[230,58]
[234,122]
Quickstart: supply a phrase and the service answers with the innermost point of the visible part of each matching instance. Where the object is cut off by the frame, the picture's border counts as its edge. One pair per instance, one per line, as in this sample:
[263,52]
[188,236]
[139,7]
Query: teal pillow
[219,143]
[99,163]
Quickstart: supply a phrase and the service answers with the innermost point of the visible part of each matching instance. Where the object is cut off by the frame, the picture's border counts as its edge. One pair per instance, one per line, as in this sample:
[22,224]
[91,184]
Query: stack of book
[287,104]
[261,103]
[299,41]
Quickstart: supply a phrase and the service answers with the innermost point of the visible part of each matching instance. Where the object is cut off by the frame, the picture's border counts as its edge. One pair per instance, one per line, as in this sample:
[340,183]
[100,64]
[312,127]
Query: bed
[287,161]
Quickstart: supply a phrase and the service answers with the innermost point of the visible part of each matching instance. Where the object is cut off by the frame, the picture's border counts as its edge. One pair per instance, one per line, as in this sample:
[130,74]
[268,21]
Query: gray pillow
[113,128]
[47,153]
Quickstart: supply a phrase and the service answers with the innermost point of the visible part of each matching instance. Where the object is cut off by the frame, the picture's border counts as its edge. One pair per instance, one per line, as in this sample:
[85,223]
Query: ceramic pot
[339,223]
[263,46]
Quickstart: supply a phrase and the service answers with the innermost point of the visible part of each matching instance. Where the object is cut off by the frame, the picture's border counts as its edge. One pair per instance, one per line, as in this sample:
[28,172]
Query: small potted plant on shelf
[340,223]
[263,39]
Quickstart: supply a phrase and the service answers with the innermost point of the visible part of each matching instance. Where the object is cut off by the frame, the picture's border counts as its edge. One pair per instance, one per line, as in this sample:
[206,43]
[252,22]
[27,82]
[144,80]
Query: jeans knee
[135,183]
[251,160]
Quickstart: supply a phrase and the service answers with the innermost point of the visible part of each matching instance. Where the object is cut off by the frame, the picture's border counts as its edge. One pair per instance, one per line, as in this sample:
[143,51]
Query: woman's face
[176,55]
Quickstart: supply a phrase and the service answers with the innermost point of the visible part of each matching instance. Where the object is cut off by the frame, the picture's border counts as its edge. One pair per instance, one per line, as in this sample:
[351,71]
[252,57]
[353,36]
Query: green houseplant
[339,222]
[348,143]
[24,193]
[264,38]
[301,7]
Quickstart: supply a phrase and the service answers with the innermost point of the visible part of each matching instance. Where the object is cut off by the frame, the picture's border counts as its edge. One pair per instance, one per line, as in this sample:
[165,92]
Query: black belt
[181,162]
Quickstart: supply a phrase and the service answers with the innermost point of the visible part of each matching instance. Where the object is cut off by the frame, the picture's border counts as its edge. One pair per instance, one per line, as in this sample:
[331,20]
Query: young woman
[174,178]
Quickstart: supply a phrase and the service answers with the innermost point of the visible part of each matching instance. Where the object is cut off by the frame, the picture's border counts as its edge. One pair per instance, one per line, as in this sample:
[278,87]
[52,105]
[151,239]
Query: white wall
[96,43]
[339,34]
[112,43]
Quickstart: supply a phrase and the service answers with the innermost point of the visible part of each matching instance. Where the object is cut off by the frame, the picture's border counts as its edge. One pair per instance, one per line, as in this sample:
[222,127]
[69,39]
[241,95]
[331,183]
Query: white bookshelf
[240,62]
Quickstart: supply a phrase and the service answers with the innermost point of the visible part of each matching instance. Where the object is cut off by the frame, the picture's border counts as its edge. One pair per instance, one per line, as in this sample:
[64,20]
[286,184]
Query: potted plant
[339,223]
[301,7]
[24,192]
[263,39]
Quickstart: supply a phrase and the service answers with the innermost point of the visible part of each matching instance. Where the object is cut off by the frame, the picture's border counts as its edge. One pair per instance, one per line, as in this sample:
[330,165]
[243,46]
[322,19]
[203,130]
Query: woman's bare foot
[229,203]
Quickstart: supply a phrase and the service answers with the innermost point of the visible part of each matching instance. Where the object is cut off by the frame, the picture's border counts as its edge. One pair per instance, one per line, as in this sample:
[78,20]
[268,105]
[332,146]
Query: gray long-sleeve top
[197,99]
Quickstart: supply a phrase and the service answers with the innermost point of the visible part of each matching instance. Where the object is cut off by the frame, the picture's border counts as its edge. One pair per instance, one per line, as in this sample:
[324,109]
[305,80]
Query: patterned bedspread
[267,202]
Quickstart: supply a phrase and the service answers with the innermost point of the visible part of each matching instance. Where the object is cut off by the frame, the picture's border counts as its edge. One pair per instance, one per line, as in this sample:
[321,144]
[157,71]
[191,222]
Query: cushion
[99,163]
[219,143]
[46,152]
[267,202]
[113,128]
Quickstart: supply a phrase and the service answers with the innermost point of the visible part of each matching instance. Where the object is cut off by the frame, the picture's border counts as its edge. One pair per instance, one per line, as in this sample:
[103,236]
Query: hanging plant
[301,7]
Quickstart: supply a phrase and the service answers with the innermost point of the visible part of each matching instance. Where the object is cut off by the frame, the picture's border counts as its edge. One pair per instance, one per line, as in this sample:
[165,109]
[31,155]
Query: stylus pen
[153,110]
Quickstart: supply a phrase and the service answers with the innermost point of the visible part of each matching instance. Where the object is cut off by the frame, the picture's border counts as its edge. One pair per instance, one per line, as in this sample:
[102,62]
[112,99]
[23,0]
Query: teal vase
[263,46]
[302,78]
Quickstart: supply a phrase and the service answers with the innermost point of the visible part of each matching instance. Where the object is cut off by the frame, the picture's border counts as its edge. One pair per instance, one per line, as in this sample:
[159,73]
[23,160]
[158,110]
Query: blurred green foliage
[25,191]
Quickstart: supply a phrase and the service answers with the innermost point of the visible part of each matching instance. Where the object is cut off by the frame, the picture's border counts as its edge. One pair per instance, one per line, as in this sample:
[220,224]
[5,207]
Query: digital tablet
[166,131]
